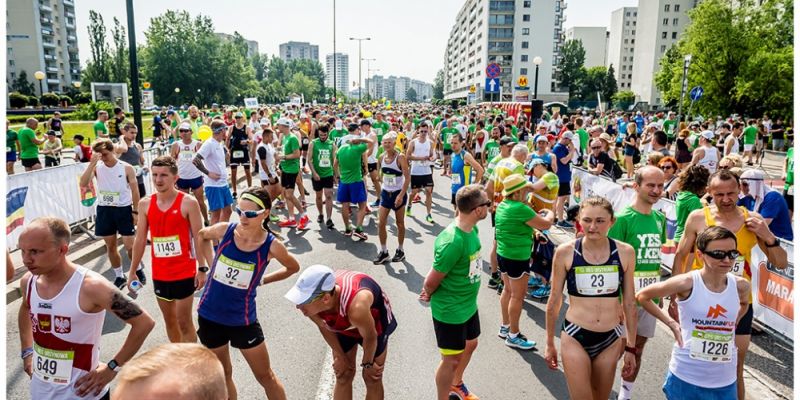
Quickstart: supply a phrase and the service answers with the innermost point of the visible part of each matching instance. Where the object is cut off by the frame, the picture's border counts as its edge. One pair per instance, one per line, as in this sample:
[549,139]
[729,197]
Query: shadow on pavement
[407,274]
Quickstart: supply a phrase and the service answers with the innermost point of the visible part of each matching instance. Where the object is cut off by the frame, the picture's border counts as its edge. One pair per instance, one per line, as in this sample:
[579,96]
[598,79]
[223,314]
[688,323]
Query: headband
[254,199]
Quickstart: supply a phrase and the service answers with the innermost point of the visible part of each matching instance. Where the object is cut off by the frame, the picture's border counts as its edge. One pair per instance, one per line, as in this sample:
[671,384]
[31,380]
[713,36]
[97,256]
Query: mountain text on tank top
[186,153]
[65,339]
[113,189]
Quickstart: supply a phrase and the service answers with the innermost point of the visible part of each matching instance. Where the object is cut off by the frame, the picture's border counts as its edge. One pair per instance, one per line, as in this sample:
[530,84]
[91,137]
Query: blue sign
[493,70]
[696,93]
[492,85]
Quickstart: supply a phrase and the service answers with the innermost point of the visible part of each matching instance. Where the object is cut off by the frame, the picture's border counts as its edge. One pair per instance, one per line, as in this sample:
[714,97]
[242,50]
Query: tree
[623,99]
[610,84]
[438,85]
[302,84]
[50,99]
[411,95]
[572,59]
[593,80]
[98,68]
[23,85]
[120,63]
[17,100]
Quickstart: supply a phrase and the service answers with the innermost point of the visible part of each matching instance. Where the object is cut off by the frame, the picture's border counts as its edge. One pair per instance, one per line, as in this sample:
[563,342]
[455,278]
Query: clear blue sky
[408,37]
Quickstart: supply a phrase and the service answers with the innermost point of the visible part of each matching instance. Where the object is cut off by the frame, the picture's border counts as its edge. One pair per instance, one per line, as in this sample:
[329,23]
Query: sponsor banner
[251,103]
[46,192]
[773,289]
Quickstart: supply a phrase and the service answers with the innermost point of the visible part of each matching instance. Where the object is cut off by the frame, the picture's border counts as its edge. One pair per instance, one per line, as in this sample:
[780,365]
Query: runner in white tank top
[62,313]
[396,179]
[183,152]
[706,154]
[710,302]
[419,154]
[112,186]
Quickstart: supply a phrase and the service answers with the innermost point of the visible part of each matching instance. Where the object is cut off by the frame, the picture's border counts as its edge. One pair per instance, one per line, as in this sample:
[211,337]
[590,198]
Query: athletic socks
[512,335]
[118,272]
[625,390]
[384,248]
[141,266]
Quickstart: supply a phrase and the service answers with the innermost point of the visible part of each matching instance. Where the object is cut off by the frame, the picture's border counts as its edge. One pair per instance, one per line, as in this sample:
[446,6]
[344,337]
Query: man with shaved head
[644,229]
[61,318]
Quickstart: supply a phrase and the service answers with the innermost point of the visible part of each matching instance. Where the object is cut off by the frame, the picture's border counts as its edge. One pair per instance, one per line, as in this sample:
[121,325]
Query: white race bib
[475,267]
[789,192]
[597,280]
[108,198]
[391,180]
[238,154]
[738,266]
[325,161]
[456,179]
[711,346]
[643,279]
[233,273]
[169,246]
[52,366]
[186,155]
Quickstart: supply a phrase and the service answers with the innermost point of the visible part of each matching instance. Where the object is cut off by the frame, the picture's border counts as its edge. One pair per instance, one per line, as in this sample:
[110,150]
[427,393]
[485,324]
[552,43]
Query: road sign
[492,85]
[522,81]
[696,93]
[146,85]
[472,89]
[493,70]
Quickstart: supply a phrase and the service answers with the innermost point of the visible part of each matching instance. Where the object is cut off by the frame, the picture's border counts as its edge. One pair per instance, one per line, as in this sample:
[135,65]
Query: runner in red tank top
[349,309]
[173,220]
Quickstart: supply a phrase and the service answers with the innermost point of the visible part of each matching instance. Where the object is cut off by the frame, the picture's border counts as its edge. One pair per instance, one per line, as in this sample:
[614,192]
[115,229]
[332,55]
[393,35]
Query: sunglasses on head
[721,254]
[248,213]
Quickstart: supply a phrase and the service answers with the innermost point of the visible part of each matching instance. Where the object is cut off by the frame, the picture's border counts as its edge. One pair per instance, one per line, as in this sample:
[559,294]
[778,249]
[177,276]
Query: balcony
[69,15]
[48,44]
[45,7]
[49,57]
[69,3]
[47,32]
[52,69]
[46,21]
[53,81]
[71,38]
[70,23]
[72,49]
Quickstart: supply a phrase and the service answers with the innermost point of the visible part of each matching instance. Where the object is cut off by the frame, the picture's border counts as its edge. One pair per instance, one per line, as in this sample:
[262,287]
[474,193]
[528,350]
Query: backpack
[616,171]
[86,152]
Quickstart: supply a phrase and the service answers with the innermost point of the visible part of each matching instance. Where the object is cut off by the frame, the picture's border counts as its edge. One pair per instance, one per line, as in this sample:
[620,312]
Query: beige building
[621,44]
[41,36]
[595,43]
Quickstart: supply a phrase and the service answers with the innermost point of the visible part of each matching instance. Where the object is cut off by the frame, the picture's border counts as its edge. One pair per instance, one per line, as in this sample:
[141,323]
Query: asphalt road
[300,357]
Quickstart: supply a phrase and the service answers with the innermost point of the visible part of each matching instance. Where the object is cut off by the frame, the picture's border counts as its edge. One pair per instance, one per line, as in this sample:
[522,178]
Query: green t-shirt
[290,145]
[323,157]
[471,128]
[349,156]
[685,203]
[646,233]
[212,114]
[789,169]
[514,236]
[750,134]
[381,128]
[28,149]
[492,149]
[514,138]
[514,131]
[11,137]
[669,127]
[457,254]
[436,121]
[337,134]
[584,138]
[447,133]
[100,126]
[275,118]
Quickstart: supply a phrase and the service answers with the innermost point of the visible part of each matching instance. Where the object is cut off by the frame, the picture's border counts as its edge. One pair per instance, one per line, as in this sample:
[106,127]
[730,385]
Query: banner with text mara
[773,289]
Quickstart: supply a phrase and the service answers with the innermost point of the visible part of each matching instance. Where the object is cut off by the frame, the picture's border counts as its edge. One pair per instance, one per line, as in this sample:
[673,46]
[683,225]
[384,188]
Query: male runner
[462,166]
[239,142]
[396,179]
[29,143]
[347,166]
[420,153]
[447,131]
[350,309]
[322,152]
[750,133]
[117,198]
[372,159]
[173,221]
[290,169]
[452,286]
[12,148]
[61,318]
[100,128]
[189,177]
[131,152]
[750,230]
[210,160]
[644,229]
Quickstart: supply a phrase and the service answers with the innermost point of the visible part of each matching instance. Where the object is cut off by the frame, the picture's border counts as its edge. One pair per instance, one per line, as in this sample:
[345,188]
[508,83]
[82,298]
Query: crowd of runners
[368,160]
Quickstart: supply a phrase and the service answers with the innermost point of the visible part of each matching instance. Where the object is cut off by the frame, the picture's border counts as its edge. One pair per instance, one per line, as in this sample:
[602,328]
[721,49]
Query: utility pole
[359,64]
[684,84]
[368,73]
[135,95]
[334,50]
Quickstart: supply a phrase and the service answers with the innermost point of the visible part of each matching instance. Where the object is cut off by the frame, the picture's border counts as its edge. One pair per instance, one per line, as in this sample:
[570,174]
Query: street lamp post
[136,95]
[536,61]
[334,50]
[199,100]
[39,75]
[367,82]
[177,94]
[359,64]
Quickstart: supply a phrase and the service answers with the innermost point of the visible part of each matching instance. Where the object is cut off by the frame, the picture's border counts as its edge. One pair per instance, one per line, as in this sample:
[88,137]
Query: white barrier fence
[773,289]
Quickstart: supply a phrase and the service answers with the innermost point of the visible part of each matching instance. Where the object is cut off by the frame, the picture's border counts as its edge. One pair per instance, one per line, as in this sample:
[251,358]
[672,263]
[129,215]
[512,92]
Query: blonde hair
[194,370]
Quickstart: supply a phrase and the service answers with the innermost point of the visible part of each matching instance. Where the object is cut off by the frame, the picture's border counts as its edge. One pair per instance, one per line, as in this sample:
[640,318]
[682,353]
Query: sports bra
[585,279]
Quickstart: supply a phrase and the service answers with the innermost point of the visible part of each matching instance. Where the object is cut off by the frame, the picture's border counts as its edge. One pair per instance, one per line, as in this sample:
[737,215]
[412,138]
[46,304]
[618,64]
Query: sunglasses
[184,130]
[597,148]
[721,254]
[666,167]
[488,203]
[249,213]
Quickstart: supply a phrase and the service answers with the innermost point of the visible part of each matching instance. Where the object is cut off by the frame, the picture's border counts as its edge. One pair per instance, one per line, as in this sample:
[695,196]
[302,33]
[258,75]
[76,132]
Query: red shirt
[172,249]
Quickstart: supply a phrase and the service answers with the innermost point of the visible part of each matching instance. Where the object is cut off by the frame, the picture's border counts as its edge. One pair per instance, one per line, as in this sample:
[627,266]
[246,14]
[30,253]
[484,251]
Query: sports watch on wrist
[114,366]
[202,269]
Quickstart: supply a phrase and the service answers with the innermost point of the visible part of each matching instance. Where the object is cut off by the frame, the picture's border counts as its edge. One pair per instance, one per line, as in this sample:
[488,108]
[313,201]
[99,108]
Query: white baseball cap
[284,122]
[263,121]
[185,126]
[708,135]
[312,281]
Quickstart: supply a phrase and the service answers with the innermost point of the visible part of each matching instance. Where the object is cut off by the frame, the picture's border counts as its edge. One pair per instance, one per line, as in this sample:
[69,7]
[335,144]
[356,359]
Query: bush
[17,100]
[83,98]
[50,99]
[65,98]
[33,101]
[88,112]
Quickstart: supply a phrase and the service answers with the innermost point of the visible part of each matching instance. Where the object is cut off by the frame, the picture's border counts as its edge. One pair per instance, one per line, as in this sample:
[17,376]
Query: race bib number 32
[52,366]
[233,273]
[597,280]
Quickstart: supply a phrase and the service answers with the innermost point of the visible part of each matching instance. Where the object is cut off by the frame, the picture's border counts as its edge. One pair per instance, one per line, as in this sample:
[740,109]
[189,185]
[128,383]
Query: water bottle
[136,286]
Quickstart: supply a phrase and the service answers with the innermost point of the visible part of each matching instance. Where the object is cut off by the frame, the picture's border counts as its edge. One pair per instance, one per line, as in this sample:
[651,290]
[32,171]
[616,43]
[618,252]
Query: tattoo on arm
[198,162]
[124,307]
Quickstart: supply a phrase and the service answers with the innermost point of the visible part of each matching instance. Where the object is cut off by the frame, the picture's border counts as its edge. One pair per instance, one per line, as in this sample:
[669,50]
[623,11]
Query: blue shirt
[564,172]
[460,170]
[639,123]
[774,206]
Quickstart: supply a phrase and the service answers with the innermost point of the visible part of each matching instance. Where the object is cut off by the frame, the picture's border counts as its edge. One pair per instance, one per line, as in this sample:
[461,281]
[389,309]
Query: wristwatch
[202,269]
[114,366]
[776,243]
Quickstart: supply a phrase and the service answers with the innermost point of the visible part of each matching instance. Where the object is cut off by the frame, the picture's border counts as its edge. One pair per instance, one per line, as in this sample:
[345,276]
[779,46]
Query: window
[630,76]
[633,32]
[625,58]
[674,21]
[665,21]
[527,4]
[524,45]
[523,71]
[674,35]
[626,41]
[623,68]
[501,5]
[663,48]
[628,14]
[526,31]
[677,7]
[663,35]
[526,17]
[627,23]
[666,7]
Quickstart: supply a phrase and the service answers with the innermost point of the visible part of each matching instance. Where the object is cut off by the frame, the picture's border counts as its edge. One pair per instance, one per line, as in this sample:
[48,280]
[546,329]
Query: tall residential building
[342,71]
[511,34]
[294,50]
[396,88]
[41,37]
[595,43]
[621,44]
[252,45]
[661,23]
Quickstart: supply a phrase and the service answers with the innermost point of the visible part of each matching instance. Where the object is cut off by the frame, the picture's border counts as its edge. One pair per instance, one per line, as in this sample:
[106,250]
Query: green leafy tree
[573,55]
[411,95]
[22,85]
[438,85]
[623,99]
[120,63]
[593,80]
[610,84]
[98,68]
[302,84]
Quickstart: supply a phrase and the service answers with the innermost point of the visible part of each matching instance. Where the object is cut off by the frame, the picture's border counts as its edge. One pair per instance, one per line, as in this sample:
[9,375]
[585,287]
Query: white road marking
[326,378]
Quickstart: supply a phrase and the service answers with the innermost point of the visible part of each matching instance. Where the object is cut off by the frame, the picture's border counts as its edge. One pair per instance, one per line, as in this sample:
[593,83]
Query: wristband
[631,350]
[776,243]
[25,353]
[202,269]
